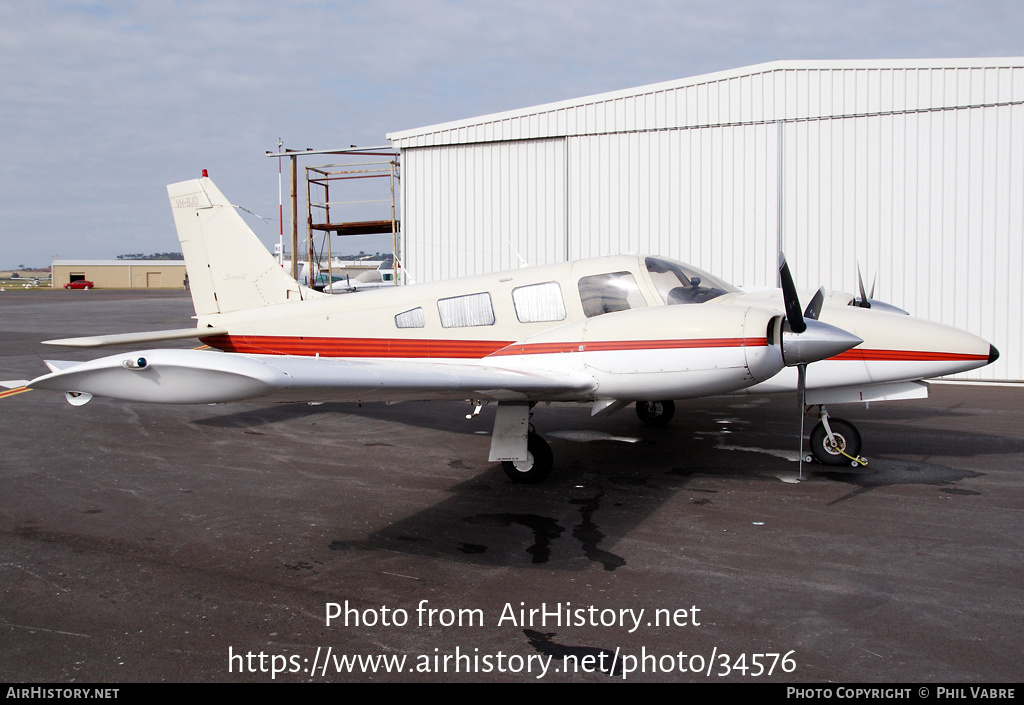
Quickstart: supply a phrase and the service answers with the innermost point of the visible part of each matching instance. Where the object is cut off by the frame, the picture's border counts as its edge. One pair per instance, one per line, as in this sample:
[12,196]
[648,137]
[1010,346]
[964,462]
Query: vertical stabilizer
[229,269]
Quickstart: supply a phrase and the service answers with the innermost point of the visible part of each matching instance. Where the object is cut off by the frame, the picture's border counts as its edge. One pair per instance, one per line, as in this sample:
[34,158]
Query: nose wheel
[836,442]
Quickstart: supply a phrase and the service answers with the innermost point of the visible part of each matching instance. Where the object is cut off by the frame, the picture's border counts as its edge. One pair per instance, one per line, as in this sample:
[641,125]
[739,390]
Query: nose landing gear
[835,442]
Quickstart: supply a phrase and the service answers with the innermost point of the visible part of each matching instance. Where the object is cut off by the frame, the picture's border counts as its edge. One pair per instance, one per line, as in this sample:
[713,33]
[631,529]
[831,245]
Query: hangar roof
[769,92]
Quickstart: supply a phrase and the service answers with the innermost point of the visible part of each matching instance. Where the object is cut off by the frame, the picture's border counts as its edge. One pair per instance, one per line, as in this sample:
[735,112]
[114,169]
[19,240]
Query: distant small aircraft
[609,332]
[364,281]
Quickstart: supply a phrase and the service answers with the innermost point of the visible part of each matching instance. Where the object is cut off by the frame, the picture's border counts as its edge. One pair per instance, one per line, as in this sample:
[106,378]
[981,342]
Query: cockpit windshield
[680,283]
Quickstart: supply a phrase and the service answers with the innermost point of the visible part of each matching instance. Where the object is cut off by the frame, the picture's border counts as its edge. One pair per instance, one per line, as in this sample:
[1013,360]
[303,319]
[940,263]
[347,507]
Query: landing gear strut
[836,441]
[655,413]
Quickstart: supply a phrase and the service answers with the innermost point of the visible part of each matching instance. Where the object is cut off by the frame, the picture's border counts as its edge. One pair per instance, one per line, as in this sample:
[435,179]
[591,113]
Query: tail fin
[229,269]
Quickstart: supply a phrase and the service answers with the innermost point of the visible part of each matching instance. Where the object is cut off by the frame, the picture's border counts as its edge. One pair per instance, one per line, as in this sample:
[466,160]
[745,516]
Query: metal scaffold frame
[318,186]
[385,164]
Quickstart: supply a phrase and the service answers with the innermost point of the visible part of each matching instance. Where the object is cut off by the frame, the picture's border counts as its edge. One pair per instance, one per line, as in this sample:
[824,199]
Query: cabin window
[410,319]
[539,302]
[466,311]
[607,293]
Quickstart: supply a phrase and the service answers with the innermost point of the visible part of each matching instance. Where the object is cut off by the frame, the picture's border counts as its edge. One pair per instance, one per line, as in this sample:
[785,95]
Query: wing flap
[359,379]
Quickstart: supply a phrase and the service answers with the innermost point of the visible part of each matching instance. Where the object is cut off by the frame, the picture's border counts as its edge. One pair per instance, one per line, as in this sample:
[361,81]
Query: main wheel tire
[847,440]
[536,467]
[655,413]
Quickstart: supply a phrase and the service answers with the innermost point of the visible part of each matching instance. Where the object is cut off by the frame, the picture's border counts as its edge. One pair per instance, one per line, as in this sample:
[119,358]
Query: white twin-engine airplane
[609,332]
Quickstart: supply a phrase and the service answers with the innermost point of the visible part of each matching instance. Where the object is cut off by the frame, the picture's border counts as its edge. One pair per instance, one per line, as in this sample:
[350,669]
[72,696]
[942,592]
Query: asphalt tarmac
[339,542]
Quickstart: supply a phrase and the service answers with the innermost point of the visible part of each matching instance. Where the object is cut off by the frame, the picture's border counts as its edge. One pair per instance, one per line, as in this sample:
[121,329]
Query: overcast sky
[104,103]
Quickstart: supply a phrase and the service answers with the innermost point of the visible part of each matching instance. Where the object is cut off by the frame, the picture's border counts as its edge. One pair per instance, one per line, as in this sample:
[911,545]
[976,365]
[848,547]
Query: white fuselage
[651,351]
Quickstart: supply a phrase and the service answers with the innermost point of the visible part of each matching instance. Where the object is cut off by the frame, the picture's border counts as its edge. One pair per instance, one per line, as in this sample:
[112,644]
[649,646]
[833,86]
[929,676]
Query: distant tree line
[155,255]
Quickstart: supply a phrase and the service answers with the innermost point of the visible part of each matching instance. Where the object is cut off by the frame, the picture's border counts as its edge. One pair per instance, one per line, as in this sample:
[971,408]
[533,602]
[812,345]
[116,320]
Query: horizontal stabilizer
[99,341]
[13,383]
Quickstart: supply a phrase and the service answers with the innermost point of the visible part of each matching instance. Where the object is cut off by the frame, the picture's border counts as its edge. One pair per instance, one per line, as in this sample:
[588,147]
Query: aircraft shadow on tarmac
[583,517]
[612,474]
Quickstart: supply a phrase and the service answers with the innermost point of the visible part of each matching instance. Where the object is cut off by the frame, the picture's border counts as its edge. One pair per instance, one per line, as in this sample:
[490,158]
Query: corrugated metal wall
[703,196]
[469,209]
[914,171]
[930,202]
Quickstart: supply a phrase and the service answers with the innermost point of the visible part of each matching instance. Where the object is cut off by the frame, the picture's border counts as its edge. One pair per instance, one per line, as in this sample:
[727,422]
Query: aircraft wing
[205,376]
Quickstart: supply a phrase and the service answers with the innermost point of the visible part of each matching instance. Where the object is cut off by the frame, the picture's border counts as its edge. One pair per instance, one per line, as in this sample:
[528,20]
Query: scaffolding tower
[327,188]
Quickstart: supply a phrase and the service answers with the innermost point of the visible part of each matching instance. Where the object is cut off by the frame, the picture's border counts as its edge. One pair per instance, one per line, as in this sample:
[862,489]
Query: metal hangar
[912,170]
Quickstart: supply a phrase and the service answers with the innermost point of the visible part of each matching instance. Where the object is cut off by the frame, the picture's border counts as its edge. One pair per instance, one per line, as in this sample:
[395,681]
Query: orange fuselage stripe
[428,348]
[354,347]
[612,345]
[447,348]
[906,356]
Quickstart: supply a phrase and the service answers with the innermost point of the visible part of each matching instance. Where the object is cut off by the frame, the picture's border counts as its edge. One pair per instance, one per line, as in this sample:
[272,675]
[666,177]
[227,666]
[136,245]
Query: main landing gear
[538,463]
[835,442]
[655,413]
[525,456]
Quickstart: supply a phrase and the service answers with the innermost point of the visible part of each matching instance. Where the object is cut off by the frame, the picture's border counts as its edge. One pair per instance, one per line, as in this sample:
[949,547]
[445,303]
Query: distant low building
[120,273]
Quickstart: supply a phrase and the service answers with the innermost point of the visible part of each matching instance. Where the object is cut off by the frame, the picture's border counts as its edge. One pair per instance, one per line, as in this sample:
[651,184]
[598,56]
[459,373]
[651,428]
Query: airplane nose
[993,354]
[819,341]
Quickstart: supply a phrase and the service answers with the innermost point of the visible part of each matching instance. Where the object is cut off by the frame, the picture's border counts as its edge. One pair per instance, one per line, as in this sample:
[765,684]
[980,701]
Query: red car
[80,284]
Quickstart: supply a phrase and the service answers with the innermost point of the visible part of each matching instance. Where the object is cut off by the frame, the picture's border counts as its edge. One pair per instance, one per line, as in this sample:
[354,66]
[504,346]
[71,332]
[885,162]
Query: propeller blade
[863,303]
[813,309]
[873,280]
[790,297]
